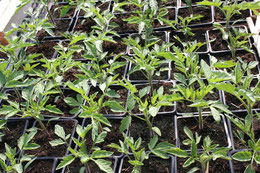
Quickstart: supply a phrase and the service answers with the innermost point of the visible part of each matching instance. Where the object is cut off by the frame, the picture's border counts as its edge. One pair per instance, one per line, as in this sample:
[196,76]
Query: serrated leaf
[125,123]
[130,103]
[65,161]
[242,156]
[56,142]
[104,165]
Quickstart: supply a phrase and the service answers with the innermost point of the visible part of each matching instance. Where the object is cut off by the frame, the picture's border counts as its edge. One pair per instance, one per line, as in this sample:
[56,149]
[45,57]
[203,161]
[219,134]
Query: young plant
[17,163]
[2,128]
[149,107]
[85,154]
[140,154]
[210,152]
[235,38]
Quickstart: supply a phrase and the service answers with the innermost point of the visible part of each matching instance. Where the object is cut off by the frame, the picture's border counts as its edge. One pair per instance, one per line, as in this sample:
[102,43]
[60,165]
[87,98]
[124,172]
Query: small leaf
[130,103]
[242,156]
[104,165]
[56,142]
[157,131]
[215,114]
[115,106]
[125,123]
[154,111]
[65,161]
[101,154]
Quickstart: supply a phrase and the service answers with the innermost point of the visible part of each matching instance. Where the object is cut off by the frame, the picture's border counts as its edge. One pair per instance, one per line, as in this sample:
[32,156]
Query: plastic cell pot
[167,86]
[123,92]
[61,26]
[112,137]
[43,139]
[199,36]
[219,165]
[219,45]
[235,105]
[154,163]
[206,12]
[218,132]
[42,164]
[15,129]
[238,18]
[245,57]
[138,77]
[161,35]
[76,165]
[204,57]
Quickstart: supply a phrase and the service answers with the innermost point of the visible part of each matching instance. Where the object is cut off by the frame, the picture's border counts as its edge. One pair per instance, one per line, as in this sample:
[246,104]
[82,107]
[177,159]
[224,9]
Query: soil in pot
[219,44]
[214,130]
[46,48]
[220,17]
[167,3]
[123,92]
[40,166]
[152,165]
[61,26]
[219,165]
[43,139]
[197,10]
[56,10]
[198,36]
[129,8]
[56,99]
[241,166]
[69,75]
[84,25]
[114,48]
[244,55]
[112,137]
[124,26]
[256,125]
[77,55]
[139,76]
[13,132]
[75,166]
[167,86]
[170,16]
[159,35]
[165,123]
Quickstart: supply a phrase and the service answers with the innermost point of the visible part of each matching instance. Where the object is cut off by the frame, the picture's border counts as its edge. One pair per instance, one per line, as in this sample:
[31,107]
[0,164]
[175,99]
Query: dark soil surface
[124,26]
[123,92]
[12,133]
[204,11]
[42,166]
[165,123]
[129,8]
[61,27]
[75,166]
[70,74]
[167,86]
[199,36]
[241,166]
[219,165]
[46,48]
[183,107]
[112,137]
[43,139]
[114,48]
[170,16]
[152,165]
[256,125]
[219,16]
[56,99]
[214,130]
[218,44]
[138,75]
[84,25]
[245,56]
[56,10]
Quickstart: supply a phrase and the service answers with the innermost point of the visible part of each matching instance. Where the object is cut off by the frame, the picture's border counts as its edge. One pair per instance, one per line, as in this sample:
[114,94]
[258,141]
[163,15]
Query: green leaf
[31,146]
[64,10]
[101,154]
[257,159]
[141,27]
[65,161]
[144,91]
[130,103]
[249,169]
[71,101]
[215,114]
[160,153]
[104,165]
[125,123]
[53,109]
[59,131]
[199,104]
[242,156]
[195,169]
[188,162]
[157,131]
[56,142]
[178,152]
[152,142]
[113,94]
[114,106]
[154,111]
[188,132]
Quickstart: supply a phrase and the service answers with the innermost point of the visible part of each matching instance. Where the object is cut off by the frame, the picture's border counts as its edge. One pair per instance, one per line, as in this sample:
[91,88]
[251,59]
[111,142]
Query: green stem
[200,118]
[49,14]
[18,94]
[42,126]
[147,120]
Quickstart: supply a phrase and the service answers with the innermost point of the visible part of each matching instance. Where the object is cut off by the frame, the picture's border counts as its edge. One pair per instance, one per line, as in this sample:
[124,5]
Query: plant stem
[42,126]
[148,123]
[18,94]
[200,118]
[49,14]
